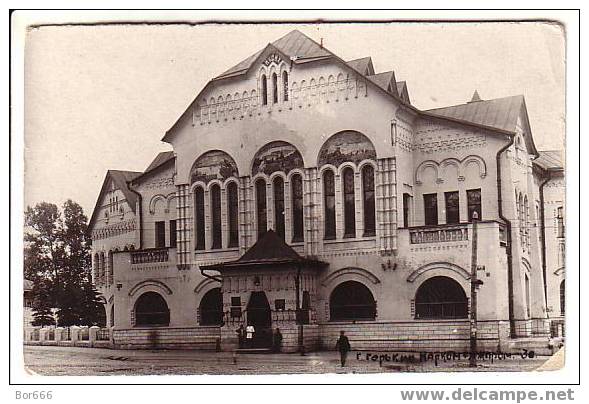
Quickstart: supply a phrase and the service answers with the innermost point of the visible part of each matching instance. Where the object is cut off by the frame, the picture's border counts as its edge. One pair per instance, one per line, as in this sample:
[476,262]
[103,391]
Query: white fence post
[74,334]
[93,334]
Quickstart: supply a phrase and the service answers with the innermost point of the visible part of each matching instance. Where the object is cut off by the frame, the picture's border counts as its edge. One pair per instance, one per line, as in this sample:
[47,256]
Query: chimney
[475,97]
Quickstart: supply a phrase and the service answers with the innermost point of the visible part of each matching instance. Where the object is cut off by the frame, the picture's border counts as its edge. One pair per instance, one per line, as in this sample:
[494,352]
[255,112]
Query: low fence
[68,336]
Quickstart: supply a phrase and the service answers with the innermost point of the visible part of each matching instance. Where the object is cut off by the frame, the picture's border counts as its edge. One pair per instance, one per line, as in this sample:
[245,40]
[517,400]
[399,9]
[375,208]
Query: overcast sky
[102,97]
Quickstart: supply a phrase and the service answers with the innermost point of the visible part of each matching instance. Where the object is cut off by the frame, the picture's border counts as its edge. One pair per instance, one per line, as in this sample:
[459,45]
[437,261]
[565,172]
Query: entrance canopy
[269,251]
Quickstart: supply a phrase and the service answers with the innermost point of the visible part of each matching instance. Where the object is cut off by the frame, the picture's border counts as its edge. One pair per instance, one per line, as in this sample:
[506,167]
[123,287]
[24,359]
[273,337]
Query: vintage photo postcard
[272,198]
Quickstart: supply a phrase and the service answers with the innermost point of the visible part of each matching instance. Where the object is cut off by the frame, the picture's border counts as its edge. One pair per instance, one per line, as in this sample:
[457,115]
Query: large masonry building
[306,192]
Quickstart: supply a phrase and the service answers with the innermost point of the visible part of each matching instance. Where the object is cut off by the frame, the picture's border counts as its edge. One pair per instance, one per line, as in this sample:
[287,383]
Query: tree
[42,313]
[57,254]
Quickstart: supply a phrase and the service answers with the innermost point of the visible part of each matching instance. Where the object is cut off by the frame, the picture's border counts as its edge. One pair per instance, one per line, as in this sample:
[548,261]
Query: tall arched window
[111,269]
[526,223]
[285,85]
[96,268]
[368,200]
[264,89]
[329,204]
[274,88]
[112,315]
[349,203]
[261,206]
[211,308]
[297,207]
[440,297]
[352,300]
[199,215]
[233,212]
[102,268]
[562,298]
[278,185]
[216,216]
[151,310]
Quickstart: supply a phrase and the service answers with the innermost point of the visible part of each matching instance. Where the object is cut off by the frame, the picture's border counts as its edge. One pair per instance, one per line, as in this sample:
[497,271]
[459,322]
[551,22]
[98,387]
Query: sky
[101,97]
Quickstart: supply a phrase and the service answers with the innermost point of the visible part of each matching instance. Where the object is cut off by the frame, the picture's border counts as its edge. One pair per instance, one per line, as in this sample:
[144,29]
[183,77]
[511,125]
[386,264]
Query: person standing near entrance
[241,335]
[343,346]
[249,335]
[277,340]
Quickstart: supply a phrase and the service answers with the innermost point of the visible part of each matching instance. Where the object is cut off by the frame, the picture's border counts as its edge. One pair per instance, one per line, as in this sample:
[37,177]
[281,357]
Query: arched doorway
[440,297]
[259,315]
[211,308]
[151,310]
[352,300]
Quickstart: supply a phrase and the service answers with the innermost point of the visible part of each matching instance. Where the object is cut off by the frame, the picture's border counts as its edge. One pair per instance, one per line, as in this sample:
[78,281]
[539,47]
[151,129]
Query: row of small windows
[439,297]
[452,206]
[275,95]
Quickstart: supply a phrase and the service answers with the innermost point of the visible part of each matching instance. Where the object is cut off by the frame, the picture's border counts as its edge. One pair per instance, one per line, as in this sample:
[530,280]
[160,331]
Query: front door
[259,315]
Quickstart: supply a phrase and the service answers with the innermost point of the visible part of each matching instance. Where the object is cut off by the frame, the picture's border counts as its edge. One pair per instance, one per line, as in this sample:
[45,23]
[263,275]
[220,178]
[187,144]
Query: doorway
[259,315]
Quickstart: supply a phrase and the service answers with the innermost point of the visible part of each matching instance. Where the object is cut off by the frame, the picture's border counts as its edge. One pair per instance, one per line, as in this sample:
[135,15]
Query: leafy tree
[57,253]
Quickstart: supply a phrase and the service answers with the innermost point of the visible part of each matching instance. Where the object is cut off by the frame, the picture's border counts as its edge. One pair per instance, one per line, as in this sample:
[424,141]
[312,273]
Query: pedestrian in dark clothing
[343,346]
[277,340]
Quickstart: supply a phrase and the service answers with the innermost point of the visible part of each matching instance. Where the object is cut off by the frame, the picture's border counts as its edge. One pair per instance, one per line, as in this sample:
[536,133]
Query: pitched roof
[159,160]
[501,113]
[386,81]
[550,160]
[403,91]
[120,178]
[270,249]
[363,65]
[294,45]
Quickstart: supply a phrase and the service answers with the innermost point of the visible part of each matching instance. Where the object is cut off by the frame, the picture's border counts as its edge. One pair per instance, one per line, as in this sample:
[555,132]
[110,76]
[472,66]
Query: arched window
[562,297]
[211,308]
[349,203]
[526,223]
[352,300]
[111,270]
[440,297]
[261,206]
[151,309]
[278,186]
[96,269]
[264,90]
[297,207]
[102,267]
[216,216]
[285,85]
[368,200]
[112,315]
[274,88]
[232,210]
[199,215]
[329,204]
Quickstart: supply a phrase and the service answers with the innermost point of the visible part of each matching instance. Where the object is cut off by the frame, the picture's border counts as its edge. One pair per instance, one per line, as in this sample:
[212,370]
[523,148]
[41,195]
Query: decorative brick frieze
[113,230]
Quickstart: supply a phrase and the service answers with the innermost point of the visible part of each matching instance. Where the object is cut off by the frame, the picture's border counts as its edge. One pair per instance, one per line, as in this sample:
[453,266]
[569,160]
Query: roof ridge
[478,102]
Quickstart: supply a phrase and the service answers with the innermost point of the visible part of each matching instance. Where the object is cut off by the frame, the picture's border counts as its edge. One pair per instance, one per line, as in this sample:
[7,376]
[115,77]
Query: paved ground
[52,360]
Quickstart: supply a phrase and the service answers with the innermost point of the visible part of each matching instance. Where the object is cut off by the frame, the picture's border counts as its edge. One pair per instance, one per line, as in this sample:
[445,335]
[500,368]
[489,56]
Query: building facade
[306,193]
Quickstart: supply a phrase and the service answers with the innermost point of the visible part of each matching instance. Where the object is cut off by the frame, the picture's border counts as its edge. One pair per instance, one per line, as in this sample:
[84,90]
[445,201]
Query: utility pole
[473,293]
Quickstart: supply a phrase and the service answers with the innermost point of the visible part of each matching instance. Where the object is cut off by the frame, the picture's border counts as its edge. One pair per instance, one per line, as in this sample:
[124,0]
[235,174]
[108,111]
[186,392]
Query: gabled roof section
[550,160]
[362,65]
[270,249]
[386,81]
[120,179]
[403,91]
[160,159]
[294,45]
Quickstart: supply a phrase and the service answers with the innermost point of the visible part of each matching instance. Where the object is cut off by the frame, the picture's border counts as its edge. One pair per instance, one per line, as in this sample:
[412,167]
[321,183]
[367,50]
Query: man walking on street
[343,346]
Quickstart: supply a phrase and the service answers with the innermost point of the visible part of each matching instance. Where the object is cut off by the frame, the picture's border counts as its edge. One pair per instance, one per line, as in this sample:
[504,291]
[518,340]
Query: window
[452,207]
[211,308]
[264,90]
[160,234]
[527,286]
[235,307]
[297,207]
[352,300]
[473,197]
[279,206]
[285,85]
[406,210]
[216,216]
[430,209]
[368,199]
[329,204]
[279,304]
[349,203]
[261,205]
[274,88]
[560,222]
[199,214]
[172,234]
[440,297]
[562,298]
[232,210]
[151,310]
